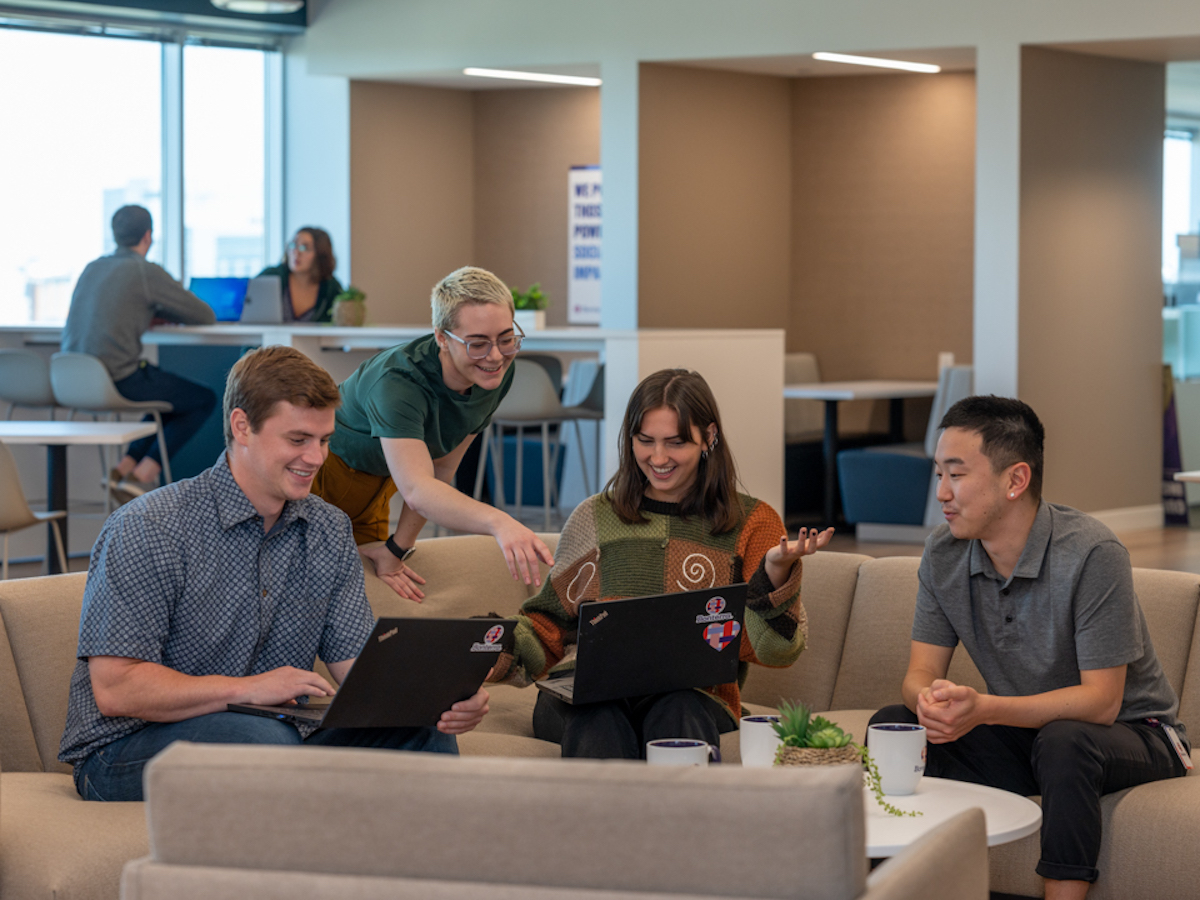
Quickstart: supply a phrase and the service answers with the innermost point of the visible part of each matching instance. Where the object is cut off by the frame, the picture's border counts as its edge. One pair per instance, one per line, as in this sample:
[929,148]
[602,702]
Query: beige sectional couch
[859,609]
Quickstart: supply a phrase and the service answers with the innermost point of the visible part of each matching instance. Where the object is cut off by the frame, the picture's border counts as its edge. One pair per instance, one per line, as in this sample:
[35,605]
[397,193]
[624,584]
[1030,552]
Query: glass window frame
[169,227]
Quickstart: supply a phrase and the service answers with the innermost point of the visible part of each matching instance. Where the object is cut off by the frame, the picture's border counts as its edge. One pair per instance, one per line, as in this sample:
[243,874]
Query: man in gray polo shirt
[1041,596]
[115,300]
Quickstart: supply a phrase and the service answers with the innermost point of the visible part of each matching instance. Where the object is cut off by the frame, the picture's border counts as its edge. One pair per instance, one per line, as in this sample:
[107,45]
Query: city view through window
[83,122]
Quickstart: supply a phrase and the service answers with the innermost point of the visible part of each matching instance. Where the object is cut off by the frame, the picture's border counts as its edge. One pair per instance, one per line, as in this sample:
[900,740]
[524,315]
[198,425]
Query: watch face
[407,553]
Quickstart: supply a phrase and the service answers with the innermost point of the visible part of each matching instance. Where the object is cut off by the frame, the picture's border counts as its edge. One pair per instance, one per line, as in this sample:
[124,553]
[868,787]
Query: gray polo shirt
[114,302]
[1068,606]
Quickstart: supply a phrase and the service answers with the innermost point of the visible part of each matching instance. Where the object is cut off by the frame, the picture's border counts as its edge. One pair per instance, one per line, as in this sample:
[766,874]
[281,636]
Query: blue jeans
[114,772]
[193,402]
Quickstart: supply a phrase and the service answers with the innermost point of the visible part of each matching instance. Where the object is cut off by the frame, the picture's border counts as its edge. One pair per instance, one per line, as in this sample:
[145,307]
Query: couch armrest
[949,861]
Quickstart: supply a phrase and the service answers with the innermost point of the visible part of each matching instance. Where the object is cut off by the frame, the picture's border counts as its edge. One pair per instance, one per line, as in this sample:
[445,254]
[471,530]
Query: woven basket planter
[813,756]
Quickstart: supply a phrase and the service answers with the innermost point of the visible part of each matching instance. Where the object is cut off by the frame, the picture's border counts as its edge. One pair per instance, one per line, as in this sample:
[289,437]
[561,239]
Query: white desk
[833,392]
[57,436]
[1010,817]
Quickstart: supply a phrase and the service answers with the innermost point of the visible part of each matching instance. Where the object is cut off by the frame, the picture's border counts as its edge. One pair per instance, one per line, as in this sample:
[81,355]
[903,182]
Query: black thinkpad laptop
[651,645]
[408,673]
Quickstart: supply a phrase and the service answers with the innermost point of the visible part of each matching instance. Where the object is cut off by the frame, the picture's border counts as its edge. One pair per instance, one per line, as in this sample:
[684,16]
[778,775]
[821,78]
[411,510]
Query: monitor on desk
[224,295]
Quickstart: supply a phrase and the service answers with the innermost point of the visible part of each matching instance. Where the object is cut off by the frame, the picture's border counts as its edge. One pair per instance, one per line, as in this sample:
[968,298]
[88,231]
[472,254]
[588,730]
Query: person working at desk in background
[115,300]
[306,276]
[407,417]
[671,519]
[236,607]
[1041,597]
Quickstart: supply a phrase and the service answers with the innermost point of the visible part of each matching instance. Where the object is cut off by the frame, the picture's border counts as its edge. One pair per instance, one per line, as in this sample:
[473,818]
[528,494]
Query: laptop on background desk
[652,645]
[264,301]
[408,673]
[225,295]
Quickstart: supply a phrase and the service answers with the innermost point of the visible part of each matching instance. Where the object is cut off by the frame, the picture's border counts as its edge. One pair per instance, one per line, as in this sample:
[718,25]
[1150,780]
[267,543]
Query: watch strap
[401,553]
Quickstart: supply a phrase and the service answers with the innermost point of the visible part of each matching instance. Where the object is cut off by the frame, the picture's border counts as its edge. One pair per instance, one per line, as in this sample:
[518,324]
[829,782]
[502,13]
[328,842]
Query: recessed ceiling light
[260,7]
[880,63]
[533,76]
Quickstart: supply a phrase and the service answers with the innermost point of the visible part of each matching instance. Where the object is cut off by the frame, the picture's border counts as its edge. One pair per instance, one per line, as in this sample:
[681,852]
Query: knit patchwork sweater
[601,558]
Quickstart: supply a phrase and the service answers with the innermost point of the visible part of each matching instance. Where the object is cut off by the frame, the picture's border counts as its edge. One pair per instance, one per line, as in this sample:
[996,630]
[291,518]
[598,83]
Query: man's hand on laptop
[283,685]
[465,714]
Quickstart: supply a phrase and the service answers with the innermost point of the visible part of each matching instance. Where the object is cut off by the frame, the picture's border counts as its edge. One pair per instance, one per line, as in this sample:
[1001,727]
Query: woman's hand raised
[779,559]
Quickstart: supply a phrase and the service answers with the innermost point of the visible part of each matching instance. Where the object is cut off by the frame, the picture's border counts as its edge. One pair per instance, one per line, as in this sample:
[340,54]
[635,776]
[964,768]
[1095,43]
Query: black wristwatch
[399,552]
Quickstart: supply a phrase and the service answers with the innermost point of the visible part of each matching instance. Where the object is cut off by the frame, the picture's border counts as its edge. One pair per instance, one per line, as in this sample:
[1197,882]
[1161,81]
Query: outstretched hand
[394,573]
[522,550]
[779,559]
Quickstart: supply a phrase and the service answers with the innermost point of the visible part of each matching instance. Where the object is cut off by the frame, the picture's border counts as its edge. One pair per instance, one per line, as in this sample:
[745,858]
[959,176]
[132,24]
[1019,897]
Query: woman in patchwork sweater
[671,519]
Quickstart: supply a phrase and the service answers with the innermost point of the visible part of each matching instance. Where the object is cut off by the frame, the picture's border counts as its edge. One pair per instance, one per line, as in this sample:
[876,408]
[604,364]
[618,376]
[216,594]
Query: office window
[82,136]
[1177,202]
[223,161]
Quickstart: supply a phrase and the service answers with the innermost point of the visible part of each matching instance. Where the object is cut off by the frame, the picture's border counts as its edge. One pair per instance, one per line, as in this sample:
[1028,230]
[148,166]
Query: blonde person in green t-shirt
[407,417]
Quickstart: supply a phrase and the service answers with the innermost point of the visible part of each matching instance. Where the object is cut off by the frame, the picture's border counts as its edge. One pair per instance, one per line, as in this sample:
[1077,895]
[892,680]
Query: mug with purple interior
[758,741]
[680,752]
[898,750]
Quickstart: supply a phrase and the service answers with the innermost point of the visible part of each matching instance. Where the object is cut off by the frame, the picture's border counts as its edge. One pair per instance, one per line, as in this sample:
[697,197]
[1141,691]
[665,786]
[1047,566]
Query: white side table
[1010,817]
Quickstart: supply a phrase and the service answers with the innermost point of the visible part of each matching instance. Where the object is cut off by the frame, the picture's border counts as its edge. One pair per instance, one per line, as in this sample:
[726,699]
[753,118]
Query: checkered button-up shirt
[185,577]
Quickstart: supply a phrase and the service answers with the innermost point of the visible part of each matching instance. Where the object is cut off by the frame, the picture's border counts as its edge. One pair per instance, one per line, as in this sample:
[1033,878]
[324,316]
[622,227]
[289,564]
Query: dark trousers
[193,403]
[114,772]
[1071,764]
[619,729]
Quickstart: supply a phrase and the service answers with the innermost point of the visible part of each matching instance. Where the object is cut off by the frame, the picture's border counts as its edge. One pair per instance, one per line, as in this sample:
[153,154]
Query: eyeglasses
[508,344]
[299,246]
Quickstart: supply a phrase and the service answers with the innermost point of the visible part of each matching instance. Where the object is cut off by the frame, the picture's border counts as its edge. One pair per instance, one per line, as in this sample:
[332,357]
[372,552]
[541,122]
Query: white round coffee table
[1009,816]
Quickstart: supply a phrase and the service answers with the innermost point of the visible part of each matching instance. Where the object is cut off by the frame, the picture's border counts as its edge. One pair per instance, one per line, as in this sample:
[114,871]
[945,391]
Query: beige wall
[1090,320]
[411,194]
[714,199]
[883,212]
[525,143]
[441,179]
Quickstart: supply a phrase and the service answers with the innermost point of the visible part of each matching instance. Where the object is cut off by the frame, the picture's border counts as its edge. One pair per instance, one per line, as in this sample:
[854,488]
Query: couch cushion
[591,822]
[53,844]
[18,749]
[41,616]
[1149,836]
[465,576]
[827,589]
[1169,600]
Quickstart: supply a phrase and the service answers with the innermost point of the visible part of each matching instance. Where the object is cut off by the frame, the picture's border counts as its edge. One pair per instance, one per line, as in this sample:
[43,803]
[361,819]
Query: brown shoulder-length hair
[326,262]
[714,494]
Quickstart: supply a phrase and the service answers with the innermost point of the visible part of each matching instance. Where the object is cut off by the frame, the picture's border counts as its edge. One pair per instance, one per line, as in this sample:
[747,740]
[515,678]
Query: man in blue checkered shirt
[225,588]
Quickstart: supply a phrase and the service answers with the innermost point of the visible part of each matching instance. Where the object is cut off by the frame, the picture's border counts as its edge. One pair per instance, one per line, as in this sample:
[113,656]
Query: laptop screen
[224,295]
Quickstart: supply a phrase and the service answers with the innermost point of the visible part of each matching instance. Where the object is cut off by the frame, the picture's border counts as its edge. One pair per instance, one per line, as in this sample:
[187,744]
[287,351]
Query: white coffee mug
[899,752]
[680,752]
[758,741]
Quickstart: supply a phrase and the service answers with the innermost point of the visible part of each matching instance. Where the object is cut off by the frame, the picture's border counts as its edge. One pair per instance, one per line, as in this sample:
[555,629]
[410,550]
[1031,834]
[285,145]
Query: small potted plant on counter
[350,307]
[530,307]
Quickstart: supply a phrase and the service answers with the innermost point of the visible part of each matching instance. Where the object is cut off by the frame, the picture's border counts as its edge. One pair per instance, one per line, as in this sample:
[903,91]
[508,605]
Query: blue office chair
[893,484]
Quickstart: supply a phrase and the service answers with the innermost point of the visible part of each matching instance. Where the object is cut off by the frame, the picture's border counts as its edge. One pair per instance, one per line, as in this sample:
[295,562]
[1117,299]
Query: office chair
[15,514]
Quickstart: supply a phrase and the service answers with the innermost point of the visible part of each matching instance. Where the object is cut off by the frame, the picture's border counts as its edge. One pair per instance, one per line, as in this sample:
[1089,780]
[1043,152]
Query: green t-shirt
[399,393]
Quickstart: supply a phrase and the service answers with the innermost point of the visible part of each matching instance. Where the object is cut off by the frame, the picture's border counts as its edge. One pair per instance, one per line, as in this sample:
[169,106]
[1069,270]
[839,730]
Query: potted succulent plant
[809,740]
[350,307]
[530,307]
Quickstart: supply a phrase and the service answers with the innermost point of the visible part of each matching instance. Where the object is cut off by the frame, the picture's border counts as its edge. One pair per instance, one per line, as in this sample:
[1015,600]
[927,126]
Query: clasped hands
[948,710]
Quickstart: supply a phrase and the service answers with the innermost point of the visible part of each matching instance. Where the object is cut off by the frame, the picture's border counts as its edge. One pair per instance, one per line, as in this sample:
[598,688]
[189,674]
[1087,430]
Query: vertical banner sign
[583,246]
[1175,509]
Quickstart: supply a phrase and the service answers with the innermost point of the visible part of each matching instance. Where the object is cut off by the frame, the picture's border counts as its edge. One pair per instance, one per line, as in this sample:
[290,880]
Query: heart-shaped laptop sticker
[718,635]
